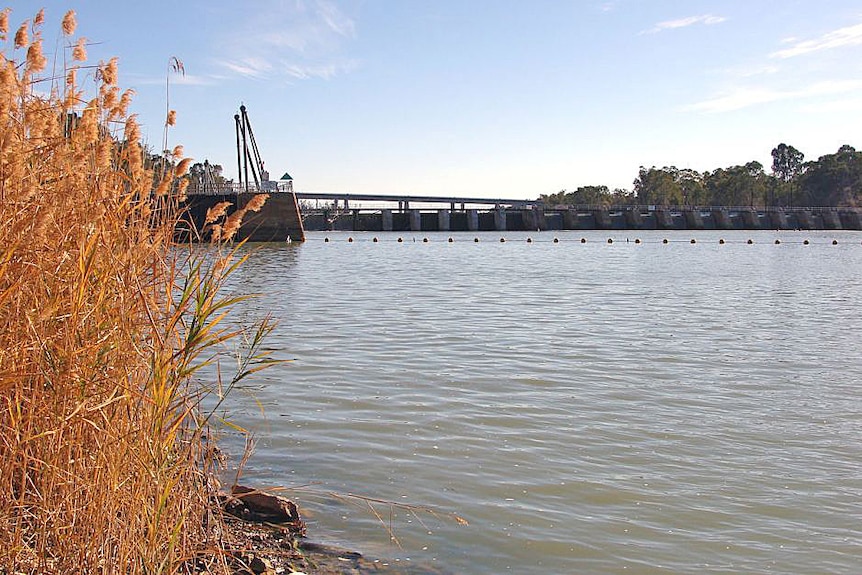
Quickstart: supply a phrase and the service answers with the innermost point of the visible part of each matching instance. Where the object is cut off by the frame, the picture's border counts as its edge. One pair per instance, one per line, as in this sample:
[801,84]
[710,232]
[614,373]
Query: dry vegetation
[105,464]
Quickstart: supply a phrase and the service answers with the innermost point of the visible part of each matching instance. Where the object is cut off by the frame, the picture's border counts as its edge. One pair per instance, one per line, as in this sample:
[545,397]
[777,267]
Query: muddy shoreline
[266,535]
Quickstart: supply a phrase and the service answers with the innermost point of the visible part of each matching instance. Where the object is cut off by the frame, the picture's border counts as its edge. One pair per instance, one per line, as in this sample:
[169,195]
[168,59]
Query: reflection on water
[587,407]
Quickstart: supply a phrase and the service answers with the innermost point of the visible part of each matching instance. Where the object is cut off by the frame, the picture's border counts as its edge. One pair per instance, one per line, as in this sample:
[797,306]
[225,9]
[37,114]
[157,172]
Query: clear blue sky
[491,98]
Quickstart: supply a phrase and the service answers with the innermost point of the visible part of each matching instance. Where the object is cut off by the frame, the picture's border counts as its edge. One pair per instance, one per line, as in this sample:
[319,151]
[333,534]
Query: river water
[587,407]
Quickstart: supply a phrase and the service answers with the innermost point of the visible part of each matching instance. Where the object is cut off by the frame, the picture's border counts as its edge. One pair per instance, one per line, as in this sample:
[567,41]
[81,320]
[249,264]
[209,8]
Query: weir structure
[483,214]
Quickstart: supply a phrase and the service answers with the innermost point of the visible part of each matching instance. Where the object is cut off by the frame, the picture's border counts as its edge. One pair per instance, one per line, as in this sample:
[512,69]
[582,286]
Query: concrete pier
[831,221]
[850,220]
[805,220]
[472,220]
[693,219]
[500,220]
[778,219]
[443,220]
[415,220]
[602,219]
[721,219]
[663,219]
[633,218]
[750,220]
[279,220]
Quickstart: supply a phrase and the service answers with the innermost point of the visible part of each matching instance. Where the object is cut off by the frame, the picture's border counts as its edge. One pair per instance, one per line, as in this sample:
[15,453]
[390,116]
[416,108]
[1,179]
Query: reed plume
[69,23]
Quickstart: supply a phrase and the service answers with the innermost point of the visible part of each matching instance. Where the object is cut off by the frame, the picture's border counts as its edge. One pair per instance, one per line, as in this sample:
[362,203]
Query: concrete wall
[278,221]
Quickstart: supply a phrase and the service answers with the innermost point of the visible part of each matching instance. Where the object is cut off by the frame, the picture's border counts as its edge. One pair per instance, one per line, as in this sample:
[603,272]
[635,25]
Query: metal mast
[247,154]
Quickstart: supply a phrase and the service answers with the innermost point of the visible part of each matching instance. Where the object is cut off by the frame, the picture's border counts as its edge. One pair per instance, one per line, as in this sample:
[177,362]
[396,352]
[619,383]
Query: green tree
[658,187]
[737,185]
[584,195]
[560,198]
[787,162]
[592,195]
[787,165]
[693,190]
[834,179]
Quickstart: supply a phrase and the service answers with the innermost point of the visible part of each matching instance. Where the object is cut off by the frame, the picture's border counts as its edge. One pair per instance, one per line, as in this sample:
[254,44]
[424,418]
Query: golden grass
[105,462]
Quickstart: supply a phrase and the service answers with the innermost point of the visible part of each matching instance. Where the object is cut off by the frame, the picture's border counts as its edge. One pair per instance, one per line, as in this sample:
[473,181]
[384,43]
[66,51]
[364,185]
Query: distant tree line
[831,180]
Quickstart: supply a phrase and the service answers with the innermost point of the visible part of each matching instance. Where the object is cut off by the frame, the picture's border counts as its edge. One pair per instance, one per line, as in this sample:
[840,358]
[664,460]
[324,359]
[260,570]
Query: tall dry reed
[105,465]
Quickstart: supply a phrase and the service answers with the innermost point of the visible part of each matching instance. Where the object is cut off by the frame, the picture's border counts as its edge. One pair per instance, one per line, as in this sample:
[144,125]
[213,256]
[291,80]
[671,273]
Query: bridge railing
[233,188]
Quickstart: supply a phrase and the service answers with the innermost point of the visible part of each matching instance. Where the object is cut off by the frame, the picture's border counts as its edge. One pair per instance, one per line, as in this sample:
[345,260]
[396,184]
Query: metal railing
[233,188]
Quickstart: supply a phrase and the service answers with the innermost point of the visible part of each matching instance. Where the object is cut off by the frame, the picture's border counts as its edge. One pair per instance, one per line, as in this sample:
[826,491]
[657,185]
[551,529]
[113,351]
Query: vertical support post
[500,219]
[473,220]
[415,221]
[443,220]
[386,220]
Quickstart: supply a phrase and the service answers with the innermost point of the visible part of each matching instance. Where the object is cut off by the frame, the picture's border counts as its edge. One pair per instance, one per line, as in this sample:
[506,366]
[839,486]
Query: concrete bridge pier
[570,219]
[722,219]
[386,217]
[693,219]
[831,221]
[750,220]
[534,219]
[603,219]
[851,220]
[663,220]
[443,220]
[415,220]
[473,220]
[500,219]
[804,219]
[633,218]
[778,219]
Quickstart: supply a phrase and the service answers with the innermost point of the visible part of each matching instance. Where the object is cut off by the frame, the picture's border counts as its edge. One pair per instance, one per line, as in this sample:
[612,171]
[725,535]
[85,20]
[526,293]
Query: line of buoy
[530,240]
